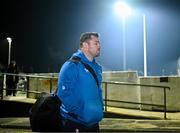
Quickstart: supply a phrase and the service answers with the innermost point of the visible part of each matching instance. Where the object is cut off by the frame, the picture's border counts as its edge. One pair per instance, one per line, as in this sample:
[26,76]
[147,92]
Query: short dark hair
[87,36]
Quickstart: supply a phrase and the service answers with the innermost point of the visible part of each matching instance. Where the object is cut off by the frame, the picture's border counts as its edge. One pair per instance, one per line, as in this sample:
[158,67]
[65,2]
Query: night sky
[45,33]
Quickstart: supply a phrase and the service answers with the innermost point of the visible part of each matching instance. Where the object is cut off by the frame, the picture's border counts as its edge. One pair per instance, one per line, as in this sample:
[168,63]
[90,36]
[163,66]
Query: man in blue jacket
[82,102]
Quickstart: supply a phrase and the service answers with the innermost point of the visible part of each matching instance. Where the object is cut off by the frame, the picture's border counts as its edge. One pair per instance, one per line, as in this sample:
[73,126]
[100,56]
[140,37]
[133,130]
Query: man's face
[94,46]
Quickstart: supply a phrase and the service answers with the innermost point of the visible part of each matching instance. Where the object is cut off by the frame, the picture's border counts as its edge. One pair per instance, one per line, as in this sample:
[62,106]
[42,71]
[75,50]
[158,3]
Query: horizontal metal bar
[133,84]
[117,101]
[31,76]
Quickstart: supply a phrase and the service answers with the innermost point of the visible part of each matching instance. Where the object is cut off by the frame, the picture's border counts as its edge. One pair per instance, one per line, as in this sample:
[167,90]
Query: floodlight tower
[9,54]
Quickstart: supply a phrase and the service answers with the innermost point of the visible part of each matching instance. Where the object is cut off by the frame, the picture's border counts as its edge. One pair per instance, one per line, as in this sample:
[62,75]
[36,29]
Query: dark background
[46,32]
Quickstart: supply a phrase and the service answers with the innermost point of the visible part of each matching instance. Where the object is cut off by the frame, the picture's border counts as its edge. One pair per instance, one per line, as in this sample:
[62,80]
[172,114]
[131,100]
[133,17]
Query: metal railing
[27,89]
[132,84]
[105,88]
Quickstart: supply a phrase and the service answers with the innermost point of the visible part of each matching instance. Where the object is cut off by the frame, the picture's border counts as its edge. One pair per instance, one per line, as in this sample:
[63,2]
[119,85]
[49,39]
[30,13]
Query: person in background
[82,102]
[11,80]
[2,70]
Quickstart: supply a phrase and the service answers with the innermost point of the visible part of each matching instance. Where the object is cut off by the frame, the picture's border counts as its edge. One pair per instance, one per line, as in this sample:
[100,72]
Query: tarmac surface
[116,120]
[131,121]
[106,125]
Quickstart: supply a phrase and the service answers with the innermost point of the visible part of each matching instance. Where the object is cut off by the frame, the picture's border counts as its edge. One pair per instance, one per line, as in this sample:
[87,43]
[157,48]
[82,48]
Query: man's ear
[85,44]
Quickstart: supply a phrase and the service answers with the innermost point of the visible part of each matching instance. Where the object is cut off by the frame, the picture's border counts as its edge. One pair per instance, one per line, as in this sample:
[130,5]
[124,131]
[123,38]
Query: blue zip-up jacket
[79,92]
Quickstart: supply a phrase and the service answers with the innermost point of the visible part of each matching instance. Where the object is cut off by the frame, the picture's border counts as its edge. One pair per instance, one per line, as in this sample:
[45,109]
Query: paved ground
[127,120]
[145,114]
[124,120]
[107,125]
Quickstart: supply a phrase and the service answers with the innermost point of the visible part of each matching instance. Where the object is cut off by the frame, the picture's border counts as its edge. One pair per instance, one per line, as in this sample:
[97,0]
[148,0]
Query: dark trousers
[11,89]
[1,87]
[71,126]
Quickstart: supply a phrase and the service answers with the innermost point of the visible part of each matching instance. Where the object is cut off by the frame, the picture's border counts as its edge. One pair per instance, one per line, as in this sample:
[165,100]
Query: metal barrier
[27,90]
[106,87]
[131,84]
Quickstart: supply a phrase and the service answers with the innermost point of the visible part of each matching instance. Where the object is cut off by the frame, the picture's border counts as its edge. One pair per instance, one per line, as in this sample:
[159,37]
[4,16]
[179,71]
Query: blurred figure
[12,80]
[2,70]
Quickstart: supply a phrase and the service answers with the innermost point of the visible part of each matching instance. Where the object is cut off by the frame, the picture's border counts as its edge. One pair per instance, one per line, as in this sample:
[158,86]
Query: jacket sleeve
[67,83]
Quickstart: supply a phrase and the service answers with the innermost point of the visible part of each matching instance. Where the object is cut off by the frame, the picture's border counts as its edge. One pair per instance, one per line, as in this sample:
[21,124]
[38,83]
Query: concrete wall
[41,84]
[122,92]
[137,94]
[149,95]
[115,92]
[156,95]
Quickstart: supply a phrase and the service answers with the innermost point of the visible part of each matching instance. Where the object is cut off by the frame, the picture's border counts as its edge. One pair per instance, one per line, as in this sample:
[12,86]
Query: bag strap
[77,59]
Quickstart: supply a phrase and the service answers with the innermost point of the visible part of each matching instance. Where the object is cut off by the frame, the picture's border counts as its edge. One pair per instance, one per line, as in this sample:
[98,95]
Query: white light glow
[9,39]
[122,9]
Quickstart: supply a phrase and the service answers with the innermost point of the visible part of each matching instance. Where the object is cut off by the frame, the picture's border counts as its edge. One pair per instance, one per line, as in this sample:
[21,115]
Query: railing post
[164,103]
[27,87]
[37,81]
[105,96]
[50,85]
